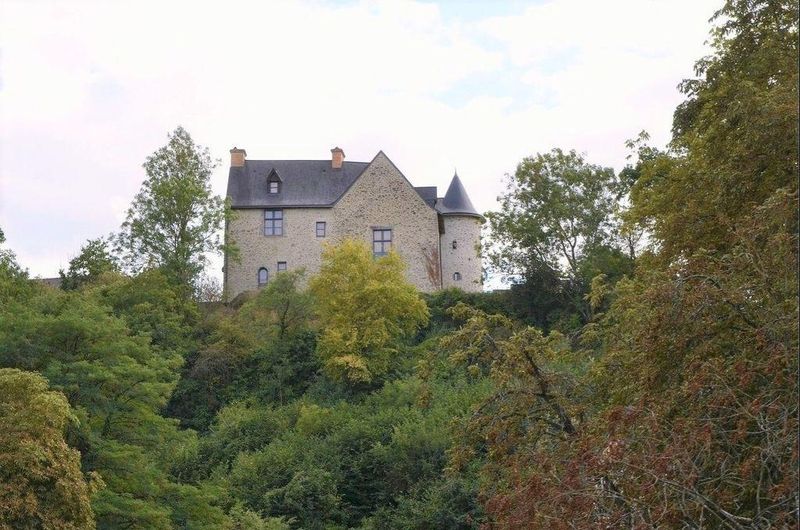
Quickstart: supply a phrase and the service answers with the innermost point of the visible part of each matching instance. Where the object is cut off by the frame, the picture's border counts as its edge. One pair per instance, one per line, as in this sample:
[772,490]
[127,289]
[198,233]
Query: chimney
[337,158]
[237,157]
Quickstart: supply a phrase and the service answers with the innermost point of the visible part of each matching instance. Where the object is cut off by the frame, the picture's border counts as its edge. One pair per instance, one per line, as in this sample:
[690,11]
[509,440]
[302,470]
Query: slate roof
[428,194]
[304,183]
[456,201]
[314,184]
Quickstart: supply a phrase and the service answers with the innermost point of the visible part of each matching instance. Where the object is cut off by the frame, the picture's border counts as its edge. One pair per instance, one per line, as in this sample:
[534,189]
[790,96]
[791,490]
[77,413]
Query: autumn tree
[175,219]
[692,413]
[41,483]
[365,305]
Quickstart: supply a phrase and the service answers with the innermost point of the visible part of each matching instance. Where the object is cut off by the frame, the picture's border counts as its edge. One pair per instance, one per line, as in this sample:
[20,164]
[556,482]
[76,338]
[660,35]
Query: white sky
[89,89]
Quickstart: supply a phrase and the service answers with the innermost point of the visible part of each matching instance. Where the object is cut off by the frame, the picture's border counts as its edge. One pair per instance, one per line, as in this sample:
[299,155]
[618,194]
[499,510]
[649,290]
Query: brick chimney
[337,158]
[237,157]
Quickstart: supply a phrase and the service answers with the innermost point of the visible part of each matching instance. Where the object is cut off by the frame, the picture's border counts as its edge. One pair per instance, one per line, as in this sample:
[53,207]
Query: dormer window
[273,183]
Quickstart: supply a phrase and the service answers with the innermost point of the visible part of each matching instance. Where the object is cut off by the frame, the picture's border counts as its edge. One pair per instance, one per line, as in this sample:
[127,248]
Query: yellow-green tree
[365,305]
[41,484]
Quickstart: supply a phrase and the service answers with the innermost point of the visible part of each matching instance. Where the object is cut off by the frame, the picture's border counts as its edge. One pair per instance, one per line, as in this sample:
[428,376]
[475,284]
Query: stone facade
[383,198]
[380,197]
[298,246]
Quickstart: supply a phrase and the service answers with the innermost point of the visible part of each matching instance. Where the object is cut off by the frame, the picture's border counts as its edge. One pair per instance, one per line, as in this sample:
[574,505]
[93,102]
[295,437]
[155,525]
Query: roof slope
[428,194]
[304,183]
[456,201]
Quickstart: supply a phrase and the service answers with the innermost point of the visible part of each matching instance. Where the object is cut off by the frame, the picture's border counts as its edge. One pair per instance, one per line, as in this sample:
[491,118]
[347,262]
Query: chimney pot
[238,157]
[337,158]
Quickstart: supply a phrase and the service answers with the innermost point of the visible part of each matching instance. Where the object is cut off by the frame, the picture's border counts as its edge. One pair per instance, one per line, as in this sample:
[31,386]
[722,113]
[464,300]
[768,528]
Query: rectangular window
[281,266]
[273,186]
[320,228]
[273,222]
[381,242]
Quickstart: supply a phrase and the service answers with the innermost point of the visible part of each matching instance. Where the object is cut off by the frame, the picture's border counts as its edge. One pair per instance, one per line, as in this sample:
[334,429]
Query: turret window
[457,276]
[455,244]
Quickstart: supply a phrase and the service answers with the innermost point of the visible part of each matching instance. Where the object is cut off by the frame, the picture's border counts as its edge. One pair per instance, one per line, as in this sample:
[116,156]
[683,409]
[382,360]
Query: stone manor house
[285,210]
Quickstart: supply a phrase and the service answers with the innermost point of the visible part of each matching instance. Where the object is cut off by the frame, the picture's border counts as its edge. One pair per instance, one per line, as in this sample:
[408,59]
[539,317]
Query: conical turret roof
[456,201]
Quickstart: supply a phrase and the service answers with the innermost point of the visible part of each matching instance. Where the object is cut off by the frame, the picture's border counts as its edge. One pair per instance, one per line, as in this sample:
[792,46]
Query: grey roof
[304,183]
[50,282]
[456,201]
[428,194]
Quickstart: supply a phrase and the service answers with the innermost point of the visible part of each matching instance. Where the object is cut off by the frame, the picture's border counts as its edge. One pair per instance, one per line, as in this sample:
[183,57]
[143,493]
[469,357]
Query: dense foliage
[640,373]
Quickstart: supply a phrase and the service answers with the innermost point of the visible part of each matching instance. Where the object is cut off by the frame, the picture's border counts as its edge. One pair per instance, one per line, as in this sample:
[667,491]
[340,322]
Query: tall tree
[175,219]
[693,411]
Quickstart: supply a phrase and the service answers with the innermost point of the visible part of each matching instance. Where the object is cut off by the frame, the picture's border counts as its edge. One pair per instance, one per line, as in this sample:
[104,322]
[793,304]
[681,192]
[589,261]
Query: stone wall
[383,198]
[298,246]
[465,258]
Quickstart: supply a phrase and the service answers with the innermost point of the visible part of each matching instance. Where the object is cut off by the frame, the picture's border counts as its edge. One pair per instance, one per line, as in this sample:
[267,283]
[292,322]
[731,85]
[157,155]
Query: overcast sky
[89,89]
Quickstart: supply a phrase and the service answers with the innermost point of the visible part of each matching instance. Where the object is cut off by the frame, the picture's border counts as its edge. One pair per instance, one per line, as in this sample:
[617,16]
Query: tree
[365,305]
[41,484]
[93,260]
[555,216]
[555,209]
[279,311]
[734,137]
[174,219]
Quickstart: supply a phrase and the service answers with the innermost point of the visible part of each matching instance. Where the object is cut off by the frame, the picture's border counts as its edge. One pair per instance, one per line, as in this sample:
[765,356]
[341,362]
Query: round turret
[462,266]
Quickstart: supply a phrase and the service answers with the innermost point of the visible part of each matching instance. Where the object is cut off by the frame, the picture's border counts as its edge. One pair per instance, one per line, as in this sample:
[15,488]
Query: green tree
[365,305]
[94,259]
[556,225]
[175,219]
[556,208]
[41,484]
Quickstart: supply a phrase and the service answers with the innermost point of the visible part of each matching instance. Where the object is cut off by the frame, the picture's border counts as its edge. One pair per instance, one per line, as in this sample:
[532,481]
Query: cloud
[89,89]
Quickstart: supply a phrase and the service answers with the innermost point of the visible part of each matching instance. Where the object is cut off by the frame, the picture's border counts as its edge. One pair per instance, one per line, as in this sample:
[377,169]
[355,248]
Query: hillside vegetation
[641,371]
